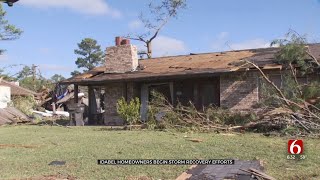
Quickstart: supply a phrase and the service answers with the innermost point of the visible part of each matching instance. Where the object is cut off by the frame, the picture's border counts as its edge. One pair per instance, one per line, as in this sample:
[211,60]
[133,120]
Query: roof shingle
[195,64]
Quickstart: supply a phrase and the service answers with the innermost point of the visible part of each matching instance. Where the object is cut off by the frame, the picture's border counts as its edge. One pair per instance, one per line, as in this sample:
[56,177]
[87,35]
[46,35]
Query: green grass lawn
[80,147]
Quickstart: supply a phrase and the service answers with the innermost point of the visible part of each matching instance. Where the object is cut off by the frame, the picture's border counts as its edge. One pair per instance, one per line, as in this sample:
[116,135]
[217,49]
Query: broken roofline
[186,66]
[17,90]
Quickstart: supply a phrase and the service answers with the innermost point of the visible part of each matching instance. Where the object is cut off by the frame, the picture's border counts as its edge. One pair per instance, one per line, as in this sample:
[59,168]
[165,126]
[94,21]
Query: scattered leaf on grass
[196,140]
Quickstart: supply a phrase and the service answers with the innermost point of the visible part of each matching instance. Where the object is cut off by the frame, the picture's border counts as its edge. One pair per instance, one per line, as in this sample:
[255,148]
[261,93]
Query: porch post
[76,91]
[92,105]
[171,93]
[144,102]
[196,94]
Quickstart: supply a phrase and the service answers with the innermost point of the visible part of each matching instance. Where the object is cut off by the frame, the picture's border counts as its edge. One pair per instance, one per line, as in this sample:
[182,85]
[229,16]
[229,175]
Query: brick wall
[132,91]
[113,92]
[239,91]
[121,59]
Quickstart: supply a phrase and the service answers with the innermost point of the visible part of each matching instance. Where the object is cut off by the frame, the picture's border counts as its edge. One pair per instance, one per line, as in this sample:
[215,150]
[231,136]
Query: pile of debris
[263,120]
[241,170]
[11,115]
[167,116]
[281,118]
[57,103]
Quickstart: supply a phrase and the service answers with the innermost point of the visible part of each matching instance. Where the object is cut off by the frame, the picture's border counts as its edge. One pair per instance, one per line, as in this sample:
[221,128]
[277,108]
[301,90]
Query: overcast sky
[52,28]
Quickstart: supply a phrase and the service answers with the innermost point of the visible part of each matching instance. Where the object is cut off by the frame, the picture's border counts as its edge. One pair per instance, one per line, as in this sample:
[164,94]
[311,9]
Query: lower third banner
[166,161]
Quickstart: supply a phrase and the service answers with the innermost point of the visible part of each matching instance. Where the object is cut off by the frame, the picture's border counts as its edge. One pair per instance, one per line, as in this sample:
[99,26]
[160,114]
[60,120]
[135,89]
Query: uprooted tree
[163,115]
[158,16]
[297,103]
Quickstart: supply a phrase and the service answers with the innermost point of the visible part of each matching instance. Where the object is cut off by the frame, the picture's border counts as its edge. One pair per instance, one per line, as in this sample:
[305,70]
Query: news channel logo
[295,149]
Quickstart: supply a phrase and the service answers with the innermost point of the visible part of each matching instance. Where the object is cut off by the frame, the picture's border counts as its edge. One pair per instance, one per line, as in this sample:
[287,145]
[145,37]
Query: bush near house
[129,111]
[24,103]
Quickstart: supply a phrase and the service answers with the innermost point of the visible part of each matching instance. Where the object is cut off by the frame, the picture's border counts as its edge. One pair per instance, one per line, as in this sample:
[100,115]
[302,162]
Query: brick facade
[113,92]
[239,91]
[121,59]
[132,91]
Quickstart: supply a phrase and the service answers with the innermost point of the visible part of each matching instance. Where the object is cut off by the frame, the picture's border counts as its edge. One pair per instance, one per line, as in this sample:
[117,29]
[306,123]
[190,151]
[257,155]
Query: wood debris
[258,174]
[11,115]
[242,169]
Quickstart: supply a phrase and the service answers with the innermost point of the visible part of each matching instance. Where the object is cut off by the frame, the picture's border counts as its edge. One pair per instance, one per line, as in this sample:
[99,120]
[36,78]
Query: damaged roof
[187,65]
[17,90]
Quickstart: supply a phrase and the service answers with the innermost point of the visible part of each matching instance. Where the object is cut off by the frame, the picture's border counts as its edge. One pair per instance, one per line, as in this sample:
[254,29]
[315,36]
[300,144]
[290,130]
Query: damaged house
[218,79]
[8,91]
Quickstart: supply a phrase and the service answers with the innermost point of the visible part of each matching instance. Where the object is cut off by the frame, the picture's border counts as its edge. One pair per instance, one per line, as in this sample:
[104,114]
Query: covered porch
[103,96]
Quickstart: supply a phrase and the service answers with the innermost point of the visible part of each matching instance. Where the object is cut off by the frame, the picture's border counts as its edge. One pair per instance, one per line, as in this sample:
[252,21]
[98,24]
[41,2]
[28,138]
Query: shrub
[24,104]
[129,111]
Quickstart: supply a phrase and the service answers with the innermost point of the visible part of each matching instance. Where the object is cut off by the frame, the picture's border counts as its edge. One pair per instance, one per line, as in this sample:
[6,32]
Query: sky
[52,28]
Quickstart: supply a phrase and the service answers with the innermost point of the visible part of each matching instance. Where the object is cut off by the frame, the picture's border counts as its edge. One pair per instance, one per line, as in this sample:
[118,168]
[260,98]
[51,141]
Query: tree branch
[159,28]
[138,38]
[270,82]
[294,73]
[312,56]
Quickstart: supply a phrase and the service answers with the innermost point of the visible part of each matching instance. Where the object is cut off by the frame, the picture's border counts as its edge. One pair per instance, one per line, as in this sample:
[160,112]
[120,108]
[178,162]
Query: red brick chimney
[118,41]
[125,41]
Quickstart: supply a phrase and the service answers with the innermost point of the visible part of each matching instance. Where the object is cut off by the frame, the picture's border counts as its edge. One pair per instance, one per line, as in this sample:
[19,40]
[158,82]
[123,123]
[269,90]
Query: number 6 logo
[295,146]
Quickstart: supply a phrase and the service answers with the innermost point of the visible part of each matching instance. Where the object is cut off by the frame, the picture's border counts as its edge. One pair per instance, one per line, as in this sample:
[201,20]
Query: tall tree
[31,78]
[91,54]
[155,19]
[6,76]
[75,72]
[7,31]
[57,78]
[25,72]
